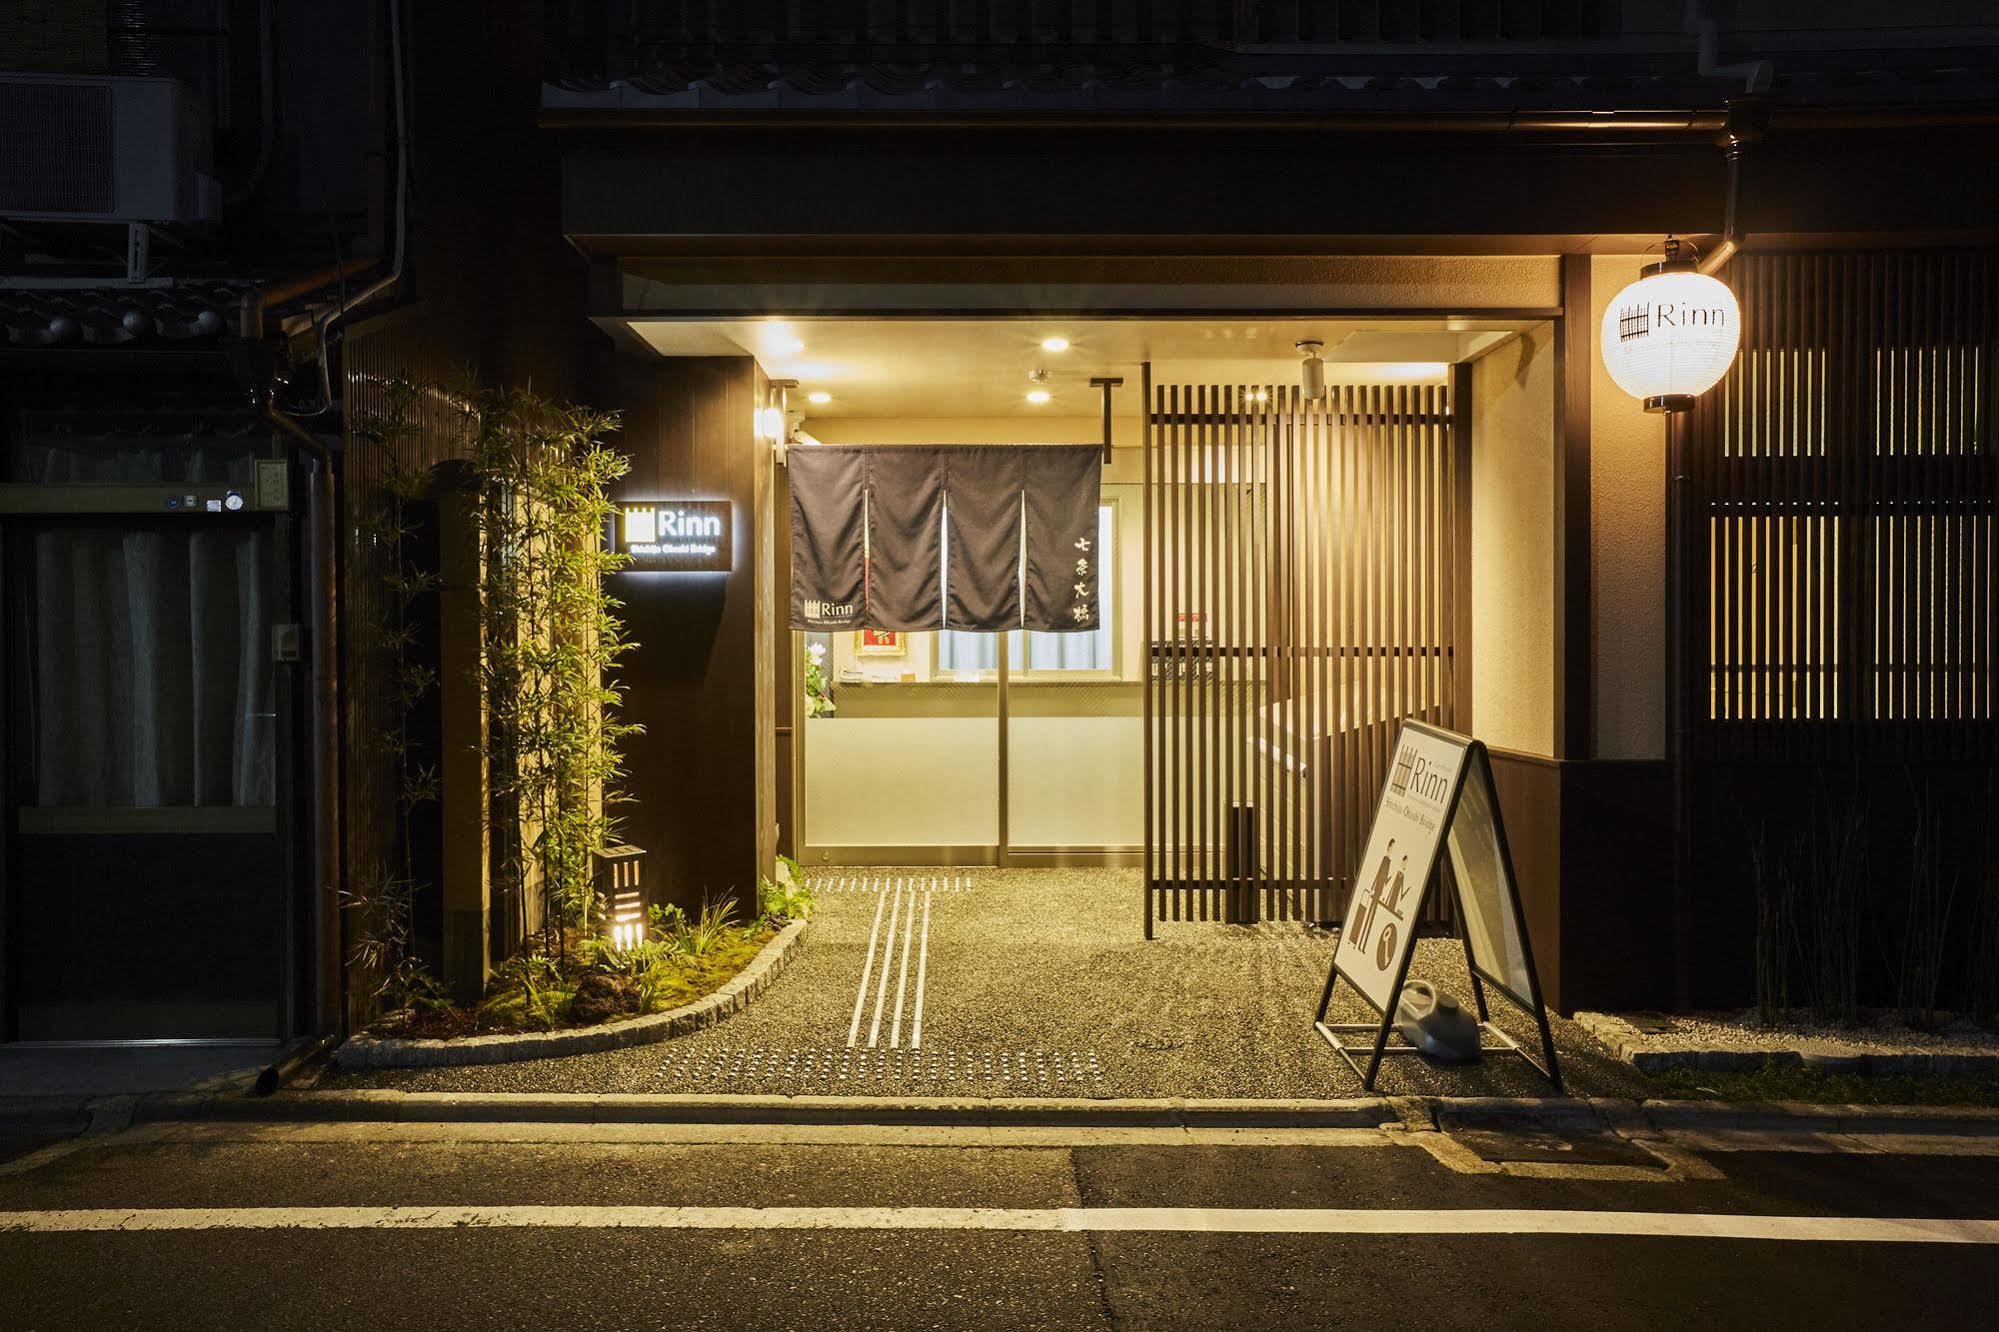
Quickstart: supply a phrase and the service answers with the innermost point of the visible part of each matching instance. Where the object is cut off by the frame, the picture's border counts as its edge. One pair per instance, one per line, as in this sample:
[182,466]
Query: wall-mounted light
[1055,344]
[770,424]
[1312,374]
[1671,335]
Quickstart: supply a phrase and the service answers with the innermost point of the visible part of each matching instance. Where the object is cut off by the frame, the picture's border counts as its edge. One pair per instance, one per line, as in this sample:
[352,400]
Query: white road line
[888,953]
[922,970]
[902,975]
[861,995]
[1195,1220]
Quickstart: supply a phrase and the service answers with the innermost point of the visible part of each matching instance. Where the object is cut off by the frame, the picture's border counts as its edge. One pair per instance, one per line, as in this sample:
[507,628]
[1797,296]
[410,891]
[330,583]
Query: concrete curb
[1628,1044]
[753,980]
[1414,1113]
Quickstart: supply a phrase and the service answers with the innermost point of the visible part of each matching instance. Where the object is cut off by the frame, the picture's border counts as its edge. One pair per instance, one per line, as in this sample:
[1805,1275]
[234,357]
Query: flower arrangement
[818,690]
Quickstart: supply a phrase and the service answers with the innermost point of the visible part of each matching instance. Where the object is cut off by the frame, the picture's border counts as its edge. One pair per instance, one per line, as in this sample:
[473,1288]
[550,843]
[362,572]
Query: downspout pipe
[267,113]
[324,324]
[1748,120]
[1706,30]
[329,771]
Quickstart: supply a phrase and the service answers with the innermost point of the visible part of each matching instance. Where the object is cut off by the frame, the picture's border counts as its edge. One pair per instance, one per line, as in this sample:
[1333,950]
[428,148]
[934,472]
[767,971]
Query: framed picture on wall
[880,643]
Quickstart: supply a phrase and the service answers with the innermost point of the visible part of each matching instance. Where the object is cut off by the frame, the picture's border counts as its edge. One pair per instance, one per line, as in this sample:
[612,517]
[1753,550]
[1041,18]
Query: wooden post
[467,868]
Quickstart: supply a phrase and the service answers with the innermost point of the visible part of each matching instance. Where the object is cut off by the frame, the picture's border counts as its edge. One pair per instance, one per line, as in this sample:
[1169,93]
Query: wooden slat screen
[1843,580]
[1302,589]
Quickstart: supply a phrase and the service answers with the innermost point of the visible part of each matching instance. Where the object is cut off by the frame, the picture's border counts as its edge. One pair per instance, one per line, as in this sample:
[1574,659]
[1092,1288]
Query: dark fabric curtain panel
[1060,581]
[905,535]
[999,498]
[828,539]
[982,522]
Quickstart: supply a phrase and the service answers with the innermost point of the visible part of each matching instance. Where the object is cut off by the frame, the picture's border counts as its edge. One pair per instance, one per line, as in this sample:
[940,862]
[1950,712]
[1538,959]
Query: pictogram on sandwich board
[1439,796]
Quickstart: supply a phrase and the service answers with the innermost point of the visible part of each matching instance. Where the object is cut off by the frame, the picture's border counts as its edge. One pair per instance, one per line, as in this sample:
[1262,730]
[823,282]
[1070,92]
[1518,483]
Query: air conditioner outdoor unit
[83,149]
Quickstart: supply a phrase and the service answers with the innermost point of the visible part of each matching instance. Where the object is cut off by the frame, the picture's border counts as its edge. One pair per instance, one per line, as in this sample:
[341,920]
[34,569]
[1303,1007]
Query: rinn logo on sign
[674,536]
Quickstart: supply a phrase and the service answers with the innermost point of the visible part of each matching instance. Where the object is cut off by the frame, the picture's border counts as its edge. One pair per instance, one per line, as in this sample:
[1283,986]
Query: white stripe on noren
[888,958]
[1200,1220]
[861,995]
[922,969]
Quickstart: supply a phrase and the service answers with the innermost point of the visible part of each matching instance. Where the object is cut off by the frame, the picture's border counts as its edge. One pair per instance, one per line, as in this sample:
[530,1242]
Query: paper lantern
[1671,335]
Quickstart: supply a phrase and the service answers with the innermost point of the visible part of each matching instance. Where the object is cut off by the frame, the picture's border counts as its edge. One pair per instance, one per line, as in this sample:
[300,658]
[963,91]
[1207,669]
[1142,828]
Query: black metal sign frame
[1481,976]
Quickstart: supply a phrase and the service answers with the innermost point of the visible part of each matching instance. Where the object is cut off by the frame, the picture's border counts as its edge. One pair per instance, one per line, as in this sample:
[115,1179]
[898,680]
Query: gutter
[1662,122]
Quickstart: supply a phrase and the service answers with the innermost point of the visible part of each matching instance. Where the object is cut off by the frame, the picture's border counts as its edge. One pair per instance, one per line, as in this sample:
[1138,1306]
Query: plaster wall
[1513,544]
[1627,547]
[1253,284]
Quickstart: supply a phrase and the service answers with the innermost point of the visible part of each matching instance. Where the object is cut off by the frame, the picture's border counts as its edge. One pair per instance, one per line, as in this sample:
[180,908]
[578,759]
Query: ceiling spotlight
[1313,372]
[819,399]
[1056,344]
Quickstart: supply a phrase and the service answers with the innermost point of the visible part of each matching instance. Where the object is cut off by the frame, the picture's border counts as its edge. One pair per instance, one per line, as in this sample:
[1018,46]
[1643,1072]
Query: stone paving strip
[1654,1043]
[1068,1220]
[1407,1112]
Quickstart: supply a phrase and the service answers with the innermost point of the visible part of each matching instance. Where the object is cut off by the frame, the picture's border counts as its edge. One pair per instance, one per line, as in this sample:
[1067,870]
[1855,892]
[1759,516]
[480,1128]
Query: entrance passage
[1305,589]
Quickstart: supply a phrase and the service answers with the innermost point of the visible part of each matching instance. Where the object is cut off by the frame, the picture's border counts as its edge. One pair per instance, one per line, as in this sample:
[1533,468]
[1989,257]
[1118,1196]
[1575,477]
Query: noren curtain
[972,537]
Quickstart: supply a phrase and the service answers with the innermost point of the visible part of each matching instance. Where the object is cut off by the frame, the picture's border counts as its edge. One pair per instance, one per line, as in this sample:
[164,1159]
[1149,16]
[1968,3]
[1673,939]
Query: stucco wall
[1513,544]
[1627,547]
[1261,285]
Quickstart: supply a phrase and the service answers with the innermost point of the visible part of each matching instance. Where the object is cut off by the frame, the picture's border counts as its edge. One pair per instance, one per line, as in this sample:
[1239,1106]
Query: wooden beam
[1574,335]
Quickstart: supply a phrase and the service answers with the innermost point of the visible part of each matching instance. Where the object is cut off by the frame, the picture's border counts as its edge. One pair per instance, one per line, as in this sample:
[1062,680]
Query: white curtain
[150,663]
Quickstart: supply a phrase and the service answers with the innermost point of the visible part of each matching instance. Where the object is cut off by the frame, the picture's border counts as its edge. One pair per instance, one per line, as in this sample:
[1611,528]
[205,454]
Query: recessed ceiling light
[779,340]
[1037,396]
[819,399]
[1055,344]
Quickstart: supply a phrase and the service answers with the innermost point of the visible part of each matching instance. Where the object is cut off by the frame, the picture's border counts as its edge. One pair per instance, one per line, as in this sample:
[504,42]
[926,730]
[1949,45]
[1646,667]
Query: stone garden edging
[505,1048]
[1628,1045]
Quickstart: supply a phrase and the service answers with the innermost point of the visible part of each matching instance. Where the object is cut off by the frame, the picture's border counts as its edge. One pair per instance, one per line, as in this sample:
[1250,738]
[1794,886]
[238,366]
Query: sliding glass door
[972,748]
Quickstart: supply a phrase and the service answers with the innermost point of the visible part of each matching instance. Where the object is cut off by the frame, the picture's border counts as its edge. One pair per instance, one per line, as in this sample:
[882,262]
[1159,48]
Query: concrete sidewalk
[1033,983]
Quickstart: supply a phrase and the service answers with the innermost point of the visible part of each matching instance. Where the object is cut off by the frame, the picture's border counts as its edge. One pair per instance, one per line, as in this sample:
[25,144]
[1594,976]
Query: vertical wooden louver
[1842,577]
[1302,595]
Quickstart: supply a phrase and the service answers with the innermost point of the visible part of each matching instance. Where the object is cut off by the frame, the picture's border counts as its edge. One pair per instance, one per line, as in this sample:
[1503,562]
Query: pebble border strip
[507,1048]
[1622,1041]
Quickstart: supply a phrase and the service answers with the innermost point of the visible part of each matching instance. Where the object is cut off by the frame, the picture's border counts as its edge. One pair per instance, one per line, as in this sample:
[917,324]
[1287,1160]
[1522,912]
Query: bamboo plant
[552,635]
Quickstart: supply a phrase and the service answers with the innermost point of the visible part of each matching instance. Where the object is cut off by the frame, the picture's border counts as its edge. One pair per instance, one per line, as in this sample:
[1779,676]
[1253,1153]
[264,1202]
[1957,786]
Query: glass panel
[908,753]
[1075,743]
[149,678]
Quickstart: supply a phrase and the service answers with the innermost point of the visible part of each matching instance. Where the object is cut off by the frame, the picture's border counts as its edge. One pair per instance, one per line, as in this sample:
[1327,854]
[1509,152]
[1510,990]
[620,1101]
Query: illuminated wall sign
[675,536]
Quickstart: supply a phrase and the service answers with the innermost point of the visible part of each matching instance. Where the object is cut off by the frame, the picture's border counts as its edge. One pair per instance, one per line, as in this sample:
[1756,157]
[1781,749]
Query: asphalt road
[910,1228]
